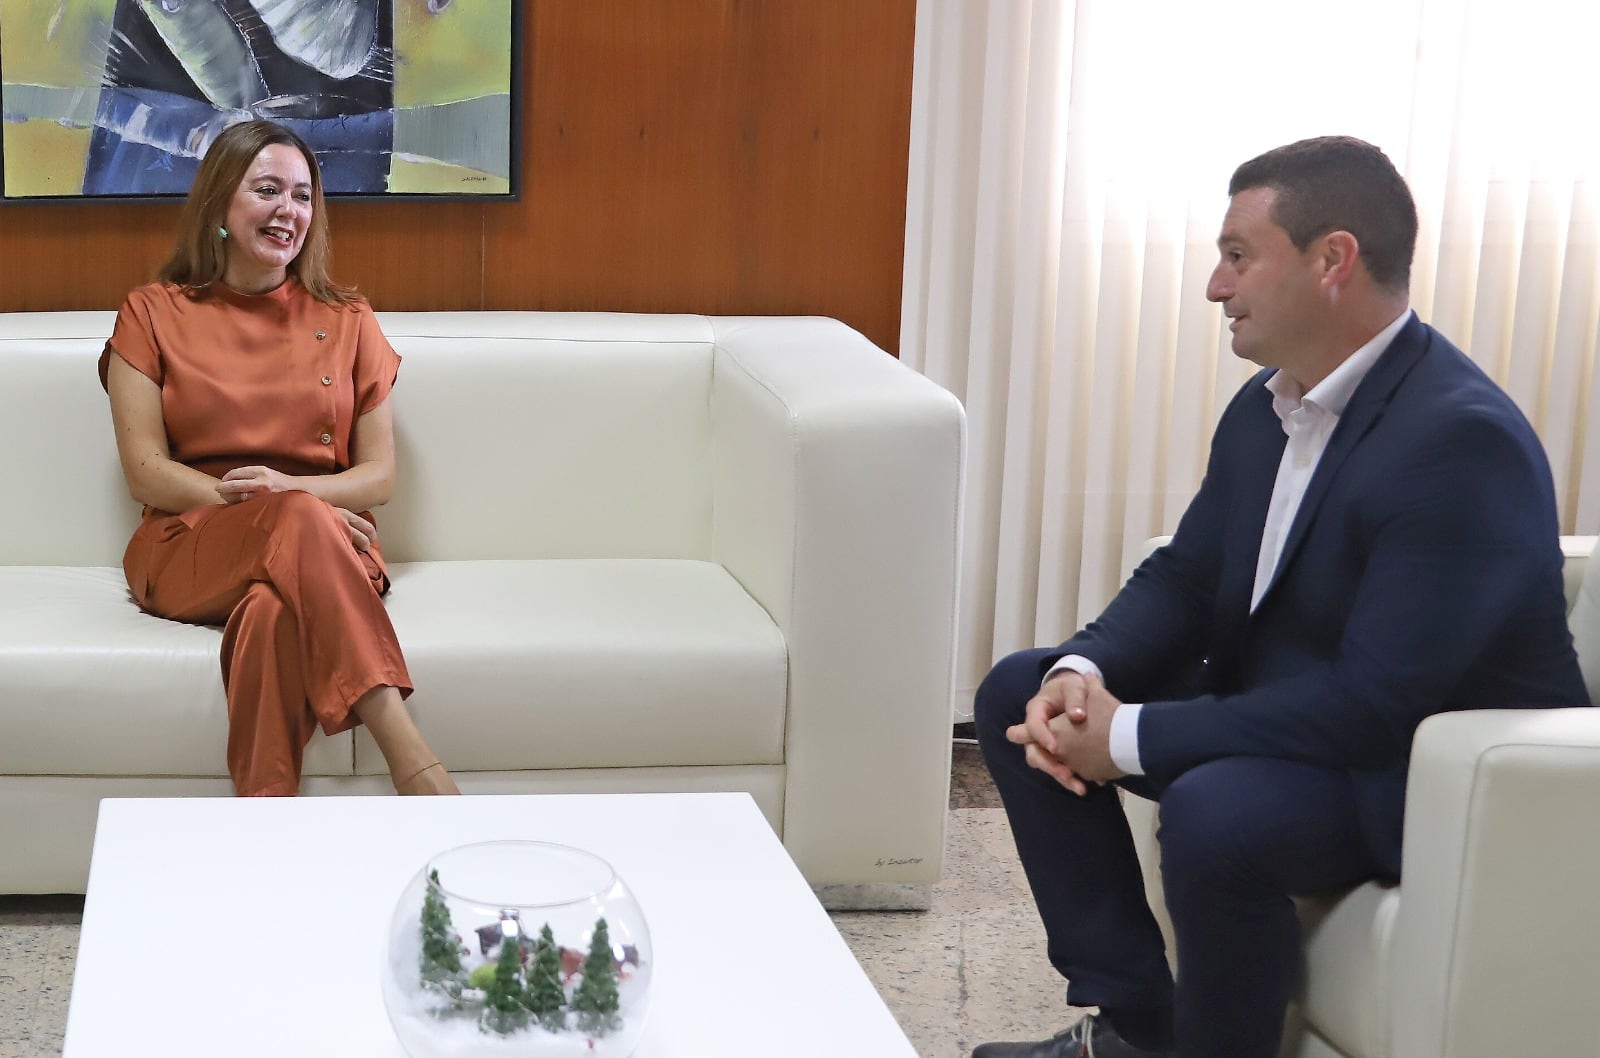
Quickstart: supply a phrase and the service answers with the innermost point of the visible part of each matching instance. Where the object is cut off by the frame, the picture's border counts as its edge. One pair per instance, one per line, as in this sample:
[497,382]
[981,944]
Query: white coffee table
[213,926]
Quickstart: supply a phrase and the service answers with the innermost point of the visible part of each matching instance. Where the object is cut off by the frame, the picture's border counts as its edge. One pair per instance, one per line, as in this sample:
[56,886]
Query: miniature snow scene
[506,949]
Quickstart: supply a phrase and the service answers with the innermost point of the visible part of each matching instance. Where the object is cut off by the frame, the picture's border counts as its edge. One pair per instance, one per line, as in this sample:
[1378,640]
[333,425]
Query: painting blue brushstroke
[162,102]
[153,141]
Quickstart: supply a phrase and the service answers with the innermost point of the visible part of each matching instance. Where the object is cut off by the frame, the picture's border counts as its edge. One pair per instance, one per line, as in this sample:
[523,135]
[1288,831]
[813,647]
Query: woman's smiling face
[268,219]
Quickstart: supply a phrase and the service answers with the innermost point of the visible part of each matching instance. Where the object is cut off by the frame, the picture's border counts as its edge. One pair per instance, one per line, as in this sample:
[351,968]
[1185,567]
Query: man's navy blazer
[1422,573]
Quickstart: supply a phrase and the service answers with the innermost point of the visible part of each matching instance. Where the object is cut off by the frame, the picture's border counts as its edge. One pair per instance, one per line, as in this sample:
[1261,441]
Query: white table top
[213,925]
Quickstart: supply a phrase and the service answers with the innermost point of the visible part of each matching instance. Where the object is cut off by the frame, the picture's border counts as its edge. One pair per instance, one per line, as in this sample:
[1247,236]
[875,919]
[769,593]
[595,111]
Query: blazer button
[326,381]
[327,438]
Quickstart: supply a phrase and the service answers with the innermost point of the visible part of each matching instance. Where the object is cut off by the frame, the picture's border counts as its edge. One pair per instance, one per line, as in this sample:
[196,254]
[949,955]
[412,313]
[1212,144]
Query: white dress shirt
[1309,420]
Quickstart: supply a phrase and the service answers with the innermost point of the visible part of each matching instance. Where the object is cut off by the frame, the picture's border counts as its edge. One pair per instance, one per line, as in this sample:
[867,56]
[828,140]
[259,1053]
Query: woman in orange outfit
[250,396]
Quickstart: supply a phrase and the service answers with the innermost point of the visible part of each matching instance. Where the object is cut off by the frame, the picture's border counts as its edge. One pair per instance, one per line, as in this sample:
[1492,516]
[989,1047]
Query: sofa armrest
[1494,949]
[1575,552]
[837,487]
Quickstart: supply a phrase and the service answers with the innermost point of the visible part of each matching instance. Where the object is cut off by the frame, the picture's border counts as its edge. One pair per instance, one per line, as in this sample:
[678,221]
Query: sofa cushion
[601,444]
[603,416]
[89,684]
[567,663]
[587,663]
[1347,946]
[66,501]
[1583,620]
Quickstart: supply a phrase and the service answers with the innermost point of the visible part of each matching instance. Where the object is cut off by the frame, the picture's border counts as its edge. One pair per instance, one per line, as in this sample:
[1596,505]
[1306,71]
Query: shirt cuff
[1125,738]
[1124,722]
[1076,663]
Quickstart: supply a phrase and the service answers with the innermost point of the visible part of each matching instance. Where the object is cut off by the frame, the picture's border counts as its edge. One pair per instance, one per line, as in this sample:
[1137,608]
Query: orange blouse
[276,379]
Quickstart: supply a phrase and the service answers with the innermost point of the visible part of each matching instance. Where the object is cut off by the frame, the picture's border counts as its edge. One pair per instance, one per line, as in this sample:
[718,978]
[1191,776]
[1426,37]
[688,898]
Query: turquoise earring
[223,232]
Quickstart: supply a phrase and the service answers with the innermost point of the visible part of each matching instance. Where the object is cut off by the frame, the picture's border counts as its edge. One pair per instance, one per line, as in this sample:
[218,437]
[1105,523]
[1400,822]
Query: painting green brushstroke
[71,57]
[52,54]
[460,53]
[45,158]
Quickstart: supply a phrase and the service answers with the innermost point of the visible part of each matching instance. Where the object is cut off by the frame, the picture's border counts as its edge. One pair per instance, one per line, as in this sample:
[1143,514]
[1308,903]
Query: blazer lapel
[1253,454]
[1367,405]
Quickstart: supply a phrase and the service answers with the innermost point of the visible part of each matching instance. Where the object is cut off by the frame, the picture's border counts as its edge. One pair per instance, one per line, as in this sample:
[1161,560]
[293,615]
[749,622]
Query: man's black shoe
[1089,1038]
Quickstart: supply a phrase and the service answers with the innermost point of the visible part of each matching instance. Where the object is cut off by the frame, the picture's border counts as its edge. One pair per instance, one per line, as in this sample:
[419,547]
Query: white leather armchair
[1490,945]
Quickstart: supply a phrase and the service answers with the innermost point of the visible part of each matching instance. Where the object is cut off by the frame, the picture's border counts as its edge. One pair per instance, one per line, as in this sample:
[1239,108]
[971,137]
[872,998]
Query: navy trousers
[1239,836]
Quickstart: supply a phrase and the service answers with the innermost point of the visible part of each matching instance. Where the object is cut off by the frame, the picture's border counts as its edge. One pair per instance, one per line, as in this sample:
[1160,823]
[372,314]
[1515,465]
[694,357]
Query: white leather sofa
[1490,944]
[629,553]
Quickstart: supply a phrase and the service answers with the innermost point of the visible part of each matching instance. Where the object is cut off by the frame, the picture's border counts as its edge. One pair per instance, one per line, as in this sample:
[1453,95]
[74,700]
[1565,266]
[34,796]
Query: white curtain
[1068,173]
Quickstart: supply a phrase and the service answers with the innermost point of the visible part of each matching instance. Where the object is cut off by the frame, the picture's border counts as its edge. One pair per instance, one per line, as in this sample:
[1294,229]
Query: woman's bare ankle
[412,765]
[432,779]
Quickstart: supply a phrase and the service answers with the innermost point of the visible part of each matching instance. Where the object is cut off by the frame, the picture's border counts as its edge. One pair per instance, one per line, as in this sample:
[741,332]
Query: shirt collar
[1334,392]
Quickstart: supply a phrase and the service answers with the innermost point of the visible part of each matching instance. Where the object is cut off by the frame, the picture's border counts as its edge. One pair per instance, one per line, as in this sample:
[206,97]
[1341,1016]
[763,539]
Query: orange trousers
[305,630]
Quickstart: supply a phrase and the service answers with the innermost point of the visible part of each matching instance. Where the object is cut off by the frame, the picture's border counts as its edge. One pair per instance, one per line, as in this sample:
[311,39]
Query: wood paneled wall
[716,156]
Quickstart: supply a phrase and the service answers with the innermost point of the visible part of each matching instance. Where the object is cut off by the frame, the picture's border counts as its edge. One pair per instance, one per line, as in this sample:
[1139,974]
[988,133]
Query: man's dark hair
[1340,183]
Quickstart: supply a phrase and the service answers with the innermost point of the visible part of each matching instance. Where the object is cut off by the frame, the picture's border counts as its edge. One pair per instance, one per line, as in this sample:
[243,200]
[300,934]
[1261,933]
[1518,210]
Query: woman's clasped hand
[246,483]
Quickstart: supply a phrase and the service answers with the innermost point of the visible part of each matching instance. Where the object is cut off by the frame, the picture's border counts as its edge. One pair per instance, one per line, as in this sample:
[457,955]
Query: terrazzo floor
[970,969]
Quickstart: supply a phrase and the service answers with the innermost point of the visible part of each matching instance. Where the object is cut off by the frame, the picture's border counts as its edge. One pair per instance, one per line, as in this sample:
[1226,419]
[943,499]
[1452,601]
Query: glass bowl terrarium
[517,948]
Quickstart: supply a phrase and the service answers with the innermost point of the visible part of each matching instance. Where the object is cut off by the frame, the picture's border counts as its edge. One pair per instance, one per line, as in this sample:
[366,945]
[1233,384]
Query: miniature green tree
[502,1000]
[545,996]
[596,998]
[441,951]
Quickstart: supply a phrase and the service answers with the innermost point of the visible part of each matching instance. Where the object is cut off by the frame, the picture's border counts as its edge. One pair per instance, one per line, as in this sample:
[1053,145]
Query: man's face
[1269,290]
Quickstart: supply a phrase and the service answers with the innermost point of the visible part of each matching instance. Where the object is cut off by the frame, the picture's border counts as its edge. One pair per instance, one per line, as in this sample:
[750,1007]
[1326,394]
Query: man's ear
[1340,253]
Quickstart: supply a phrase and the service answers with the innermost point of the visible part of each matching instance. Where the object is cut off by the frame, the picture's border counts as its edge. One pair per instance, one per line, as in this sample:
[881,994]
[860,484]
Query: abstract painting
[120,98]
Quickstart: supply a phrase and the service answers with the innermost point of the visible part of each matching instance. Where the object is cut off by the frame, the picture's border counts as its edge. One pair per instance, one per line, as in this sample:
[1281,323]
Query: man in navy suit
[1375,540]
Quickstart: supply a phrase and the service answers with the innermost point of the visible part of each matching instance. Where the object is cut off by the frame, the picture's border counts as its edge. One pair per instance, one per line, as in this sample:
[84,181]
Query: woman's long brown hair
[200,254]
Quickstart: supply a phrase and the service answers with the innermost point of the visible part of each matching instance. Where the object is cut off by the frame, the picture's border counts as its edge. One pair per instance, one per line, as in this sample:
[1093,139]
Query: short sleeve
[133,339]
[377,364]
